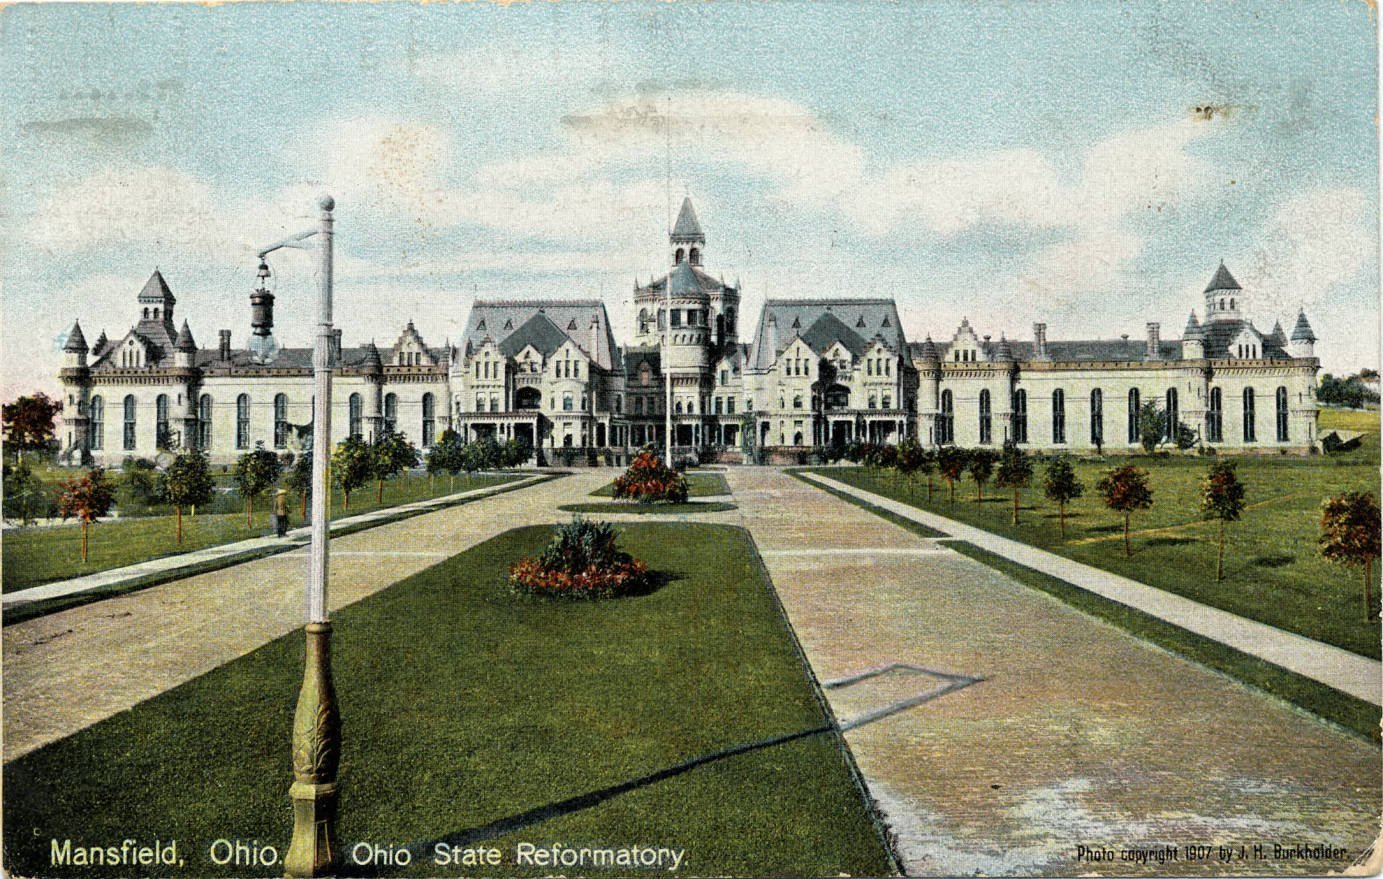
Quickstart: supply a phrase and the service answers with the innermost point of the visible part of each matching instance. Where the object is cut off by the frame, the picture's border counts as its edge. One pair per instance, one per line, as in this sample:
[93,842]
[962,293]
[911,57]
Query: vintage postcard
[644,439]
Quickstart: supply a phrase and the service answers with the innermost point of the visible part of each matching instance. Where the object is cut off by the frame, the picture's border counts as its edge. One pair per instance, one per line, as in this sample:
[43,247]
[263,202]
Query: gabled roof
[828,329]
[538,331]
[497,315]
[687,226]
[880,318]
[1223,280]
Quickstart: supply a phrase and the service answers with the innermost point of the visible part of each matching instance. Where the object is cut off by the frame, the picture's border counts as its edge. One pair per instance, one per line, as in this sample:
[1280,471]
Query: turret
[1223,297]
[374,393]
[184,349]
[1193,340]
[687,239]
[75,351]
[1303,341]
[76,386]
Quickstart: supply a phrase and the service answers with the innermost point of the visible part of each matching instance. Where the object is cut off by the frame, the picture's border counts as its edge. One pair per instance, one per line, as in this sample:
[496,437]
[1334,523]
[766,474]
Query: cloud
[1317,240]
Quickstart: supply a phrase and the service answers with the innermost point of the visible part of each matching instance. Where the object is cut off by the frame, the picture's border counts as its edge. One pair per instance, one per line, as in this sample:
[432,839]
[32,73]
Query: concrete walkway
[296,537]
[998,728]
[68,670]
[1347,672]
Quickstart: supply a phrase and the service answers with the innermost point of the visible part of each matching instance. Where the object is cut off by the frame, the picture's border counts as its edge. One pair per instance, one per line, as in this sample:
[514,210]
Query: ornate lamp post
[316,722]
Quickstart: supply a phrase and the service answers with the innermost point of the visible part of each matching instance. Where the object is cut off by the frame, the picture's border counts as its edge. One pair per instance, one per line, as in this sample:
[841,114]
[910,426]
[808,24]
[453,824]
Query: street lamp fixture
[316,720]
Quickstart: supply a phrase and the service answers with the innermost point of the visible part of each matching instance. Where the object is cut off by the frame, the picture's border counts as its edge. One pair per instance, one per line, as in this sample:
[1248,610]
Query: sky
[1086,164]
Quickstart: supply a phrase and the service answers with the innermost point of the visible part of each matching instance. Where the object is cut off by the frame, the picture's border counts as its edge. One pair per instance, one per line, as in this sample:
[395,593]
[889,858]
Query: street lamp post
[316,721]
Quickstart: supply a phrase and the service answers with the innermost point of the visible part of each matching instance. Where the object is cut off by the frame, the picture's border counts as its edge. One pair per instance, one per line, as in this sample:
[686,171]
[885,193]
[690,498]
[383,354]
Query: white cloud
[1317,240]
[1094,261]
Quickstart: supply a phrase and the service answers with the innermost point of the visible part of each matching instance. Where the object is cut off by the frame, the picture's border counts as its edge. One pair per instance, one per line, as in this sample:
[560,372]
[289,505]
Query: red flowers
[582,561]
[648,481]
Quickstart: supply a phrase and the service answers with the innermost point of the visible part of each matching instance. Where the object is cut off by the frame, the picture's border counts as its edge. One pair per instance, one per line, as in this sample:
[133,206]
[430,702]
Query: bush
[648,480]
[582,561]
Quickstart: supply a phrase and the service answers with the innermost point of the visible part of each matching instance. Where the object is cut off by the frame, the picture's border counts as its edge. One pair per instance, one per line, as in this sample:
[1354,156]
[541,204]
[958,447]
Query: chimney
[335,346]
[225,344]
[1039,342]
[772,338]
[595,338]
[1154,340]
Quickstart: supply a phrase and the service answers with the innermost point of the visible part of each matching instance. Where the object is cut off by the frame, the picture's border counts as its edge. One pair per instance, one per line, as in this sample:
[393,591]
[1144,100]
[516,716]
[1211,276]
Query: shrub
[581,561]
[648,480]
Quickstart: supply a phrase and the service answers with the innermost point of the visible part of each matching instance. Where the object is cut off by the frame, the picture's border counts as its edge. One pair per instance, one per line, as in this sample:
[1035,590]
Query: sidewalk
[258,547]
[1347,672]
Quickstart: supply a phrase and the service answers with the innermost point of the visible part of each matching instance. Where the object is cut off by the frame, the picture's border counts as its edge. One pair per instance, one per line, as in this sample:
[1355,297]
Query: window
[1058,416]
[1020,416]
[480,402]
[887,402]
[638,405]
[729,405]
[873,402]
[429,420]
[494,402]
[986,420]
[280,421]
[1215,418]
[161,436]
[724,377]
[720,404]
[96,436]
[391,413]
[567,403]
[945,425]
[354,411]
[576,369]
[676,317]
[204,422]
[1097,418]
[242,421]
[1282,415]
[129,436]
[797,401]
[1133,404]
[1250,432]
[1173,415]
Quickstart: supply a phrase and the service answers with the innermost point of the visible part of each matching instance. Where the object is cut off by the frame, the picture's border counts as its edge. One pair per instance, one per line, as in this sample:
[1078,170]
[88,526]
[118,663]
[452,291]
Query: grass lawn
[1273,571]
[476,716]
[698,485]
[35,556]
[653,509]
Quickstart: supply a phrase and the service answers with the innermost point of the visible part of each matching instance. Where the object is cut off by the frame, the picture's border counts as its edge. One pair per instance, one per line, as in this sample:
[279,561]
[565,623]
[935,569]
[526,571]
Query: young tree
[351,465]
[88,498]
[1015,472]
[981,466]
[1222,498]
[28,423]
[255,472]
[1124,490]
[142,483]
[299,479]
[487,452]
[515,453]
[25,498]
[390,455]
[446,455]
[911,458]
[951,463]
[1152,426]
[1060,484]
[187,482]
[1350,536]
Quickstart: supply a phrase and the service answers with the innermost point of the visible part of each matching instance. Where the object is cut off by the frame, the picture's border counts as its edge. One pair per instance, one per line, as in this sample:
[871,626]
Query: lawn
[475,716]
[1273,571]
[698,485]
[34,556]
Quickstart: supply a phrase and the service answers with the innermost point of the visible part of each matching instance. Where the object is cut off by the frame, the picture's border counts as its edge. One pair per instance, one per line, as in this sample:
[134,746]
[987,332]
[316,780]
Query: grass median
[698,485]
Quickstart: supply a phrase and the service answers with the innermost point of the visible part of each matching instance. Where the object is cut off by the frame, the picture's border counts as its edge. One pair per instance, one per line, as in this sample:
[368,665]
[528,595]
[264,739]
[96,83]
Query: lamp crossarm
[291,241]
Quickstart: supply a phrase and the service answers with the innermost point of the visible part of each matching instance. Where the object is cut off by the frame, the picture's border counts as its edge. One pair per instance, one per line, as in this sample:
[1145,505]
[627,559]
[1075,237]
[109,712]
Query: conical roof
[1004,353]
[184,342]
[929,351]
[101,341]
[156,289]
[687,226]
[1278,336]
[372,358]
[1193,328]
[75,340]
[1302,331]
[1223,280]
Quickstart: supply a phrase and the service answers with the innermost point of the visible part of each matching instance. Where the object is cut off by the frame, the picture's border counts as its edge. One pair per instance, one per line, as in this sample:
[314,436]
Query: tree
[1060,484]
[1152,425]
[390,455]
[255,472]
[951,463]
[911,458]
[1222,498]
[25,498]
[28,423]
[351,465]
[515,452]
[1126,489]
[88,498]
[299,478]
[487,452]
[187,482]
[1350,536]
[1015,472]
[447,455]
[141,482]
[981,466]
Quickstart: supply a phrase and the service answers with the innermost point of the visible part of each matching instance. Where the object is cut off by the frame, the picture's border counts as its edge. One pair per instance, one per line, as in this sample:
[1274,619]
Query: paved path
[65,671]
[1348,672]
[295,537]
[1035,728]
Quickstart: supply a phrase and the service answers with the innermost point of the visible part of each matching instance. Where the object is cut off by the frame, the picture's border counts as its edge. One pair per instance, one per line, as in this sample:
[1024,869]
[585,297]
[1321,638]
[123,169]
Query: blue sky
[1009,162]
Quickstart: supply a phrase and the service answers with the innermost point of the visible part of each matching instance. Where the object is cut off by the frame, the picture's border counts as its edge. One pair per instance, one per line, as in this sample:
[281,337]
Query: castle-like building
[815,372]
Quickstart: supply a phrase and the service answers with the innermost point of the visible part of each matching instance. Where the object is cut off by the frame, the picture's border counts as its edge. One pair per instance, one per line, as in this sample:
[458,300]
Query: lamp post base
[316,755]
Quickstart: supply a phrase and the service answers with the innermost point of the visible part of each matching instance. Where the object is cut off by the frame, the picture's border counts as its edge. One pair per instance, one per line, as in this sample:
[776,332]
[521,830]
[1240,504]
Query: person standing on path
[280,515]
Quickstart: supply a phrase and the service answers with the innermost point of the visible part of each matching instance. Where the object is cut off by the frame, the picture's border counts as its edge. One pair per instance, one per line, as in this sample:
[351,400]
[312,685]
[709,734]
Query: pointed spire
[101,342]
[1302,331]
[1193,328]
[184,342]
[929,352]
[1004,353]
[1223,280]
[373,361]
[687,227]
[76,342]
[156,289]
[1278,336]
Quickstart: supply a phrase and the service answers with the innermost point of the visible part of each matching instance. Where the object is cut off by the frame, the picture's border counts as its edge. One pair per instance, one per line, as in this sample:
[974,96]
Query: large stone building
[816,372]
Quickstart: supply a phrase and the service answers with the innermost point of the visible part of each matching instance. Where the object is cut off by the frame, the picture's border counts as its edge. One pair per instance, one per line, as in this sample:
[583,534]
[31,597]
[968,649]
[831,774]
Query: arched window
[494,402]
[1215,418]
[354,413]
[886,402]
[797,401]
[391,413]
[242,421]
[280,421]
[1250,428]
[1058,416]
[1097,418]
[643,320]
[1282,414]
[873,402]
[161,437]
[1231,305]
[986,421]
[797,438]
[1020,416]
[1133,404]
[204,423]
[1173,416]
[568,403]
[480,402]
[429,420]
[946,423]
[129,436]
[695,256]
[96,437]
[678,256]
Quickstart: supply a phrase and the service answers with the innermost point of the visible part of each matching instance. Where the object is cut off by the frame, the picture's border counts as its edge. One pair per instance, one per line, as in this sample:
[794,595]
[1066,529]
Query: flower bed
[648,480]
[582,561]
